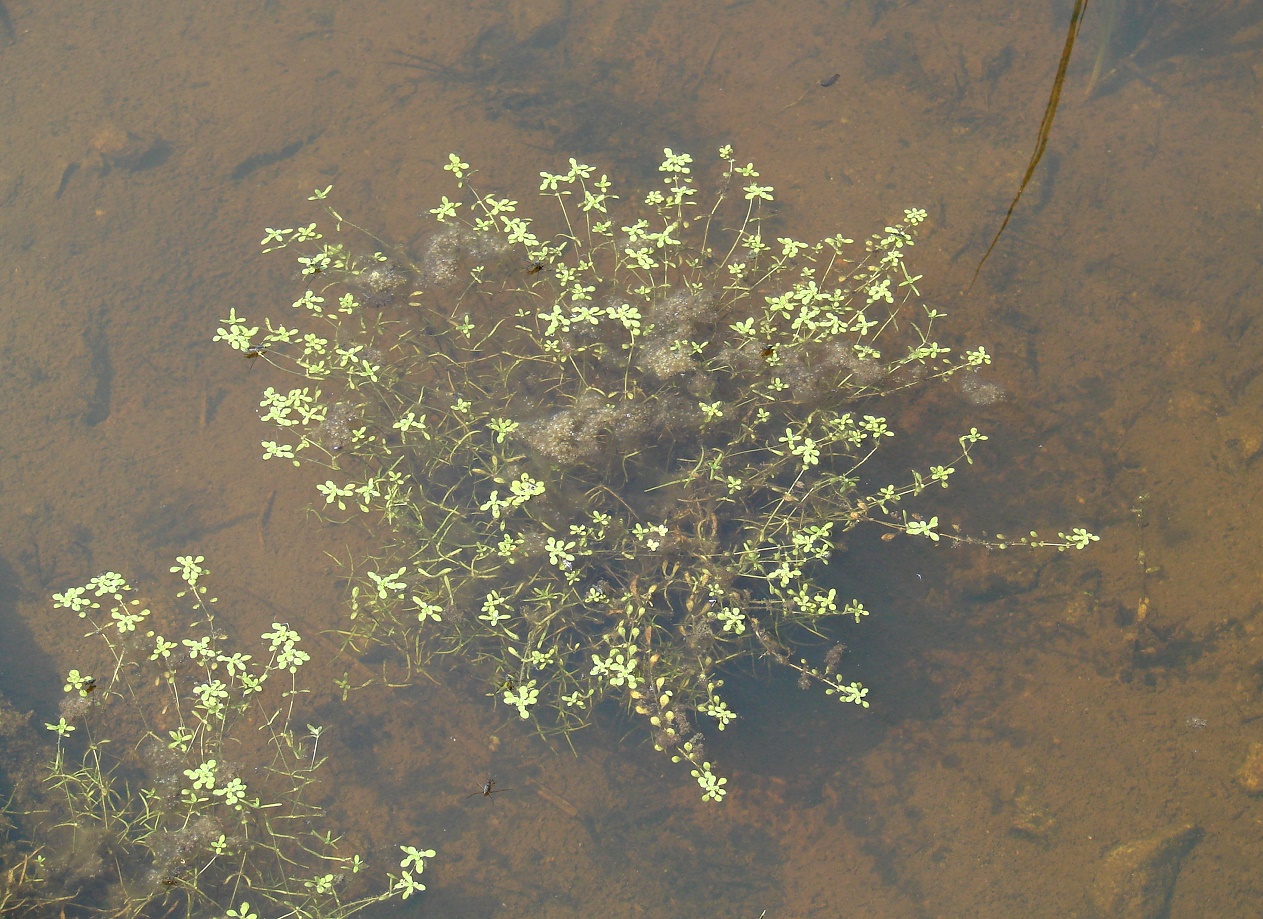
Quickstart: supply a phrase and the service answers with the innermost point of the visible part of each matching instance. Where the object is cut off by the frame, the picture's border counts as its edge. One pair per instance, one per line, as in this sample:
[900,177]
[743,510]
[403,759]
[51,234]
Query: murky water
[1029,713]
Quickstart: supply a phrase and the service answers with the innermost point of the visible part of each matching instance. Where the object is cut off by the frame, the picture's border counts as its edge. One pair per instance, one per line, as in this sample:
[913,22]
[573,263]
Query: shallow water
[1029,712]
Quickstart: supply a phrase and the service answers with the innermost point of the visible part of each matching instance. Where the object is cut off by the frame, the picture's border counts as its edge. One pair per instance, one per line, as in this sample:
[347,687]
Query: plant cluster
[180,780]
[613,455]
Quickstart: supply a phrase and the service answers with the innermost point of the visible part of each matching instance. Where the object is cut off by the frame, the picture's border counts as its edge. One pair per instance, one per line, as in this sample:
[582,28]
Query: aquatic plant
[180,778]
[607,458]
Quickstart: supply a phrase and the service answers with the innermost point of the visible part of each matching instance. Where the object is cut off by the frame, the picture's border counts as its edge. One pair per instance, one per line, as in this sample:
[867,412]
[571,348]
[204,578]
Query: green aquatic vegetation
[608,453]
[180,778]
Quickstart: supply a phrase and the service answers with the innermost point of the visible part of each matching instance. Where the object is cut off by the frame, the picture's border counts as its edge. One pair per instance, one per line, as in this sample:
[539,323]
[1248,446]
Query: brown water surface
[1029,713]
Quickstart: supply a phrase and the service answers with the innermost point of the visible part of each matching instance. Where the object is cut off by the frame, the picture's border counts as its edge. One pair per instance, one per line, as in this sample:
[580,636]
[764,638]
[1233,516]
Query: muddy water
[1029,713]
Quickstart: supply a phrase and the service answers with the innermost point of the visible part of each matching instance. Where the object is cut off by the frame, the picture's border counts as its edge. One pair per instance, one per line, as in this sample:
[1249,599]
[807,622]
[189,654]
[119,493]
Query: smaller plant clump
[612,457]
[178,785]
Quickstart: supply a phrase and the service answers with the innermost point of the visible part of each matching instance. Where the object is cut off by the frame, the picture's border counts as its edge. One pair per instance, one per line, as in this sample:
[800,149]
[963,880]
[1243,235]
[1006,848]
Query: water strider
[488,789]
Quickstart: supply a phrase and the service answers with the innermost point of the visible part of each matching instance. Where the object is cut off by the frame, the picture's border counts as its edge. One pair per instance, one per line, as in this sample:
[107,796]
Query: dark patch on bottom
[102,371]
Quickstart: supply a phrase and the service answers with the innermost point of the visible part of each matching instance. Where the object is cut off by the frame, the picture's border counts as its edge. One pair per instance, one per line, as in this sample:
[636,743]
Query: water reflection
[1139,38]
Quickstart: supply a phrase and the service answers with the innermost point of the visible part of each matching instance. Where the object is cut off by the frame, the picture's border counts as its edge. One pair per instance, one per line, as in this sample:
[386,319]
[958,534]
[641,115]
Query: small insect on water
[254,351]
[488,789]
